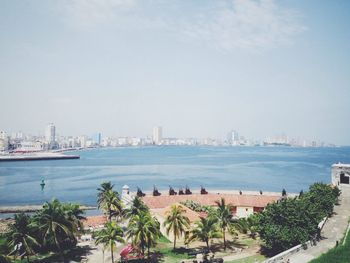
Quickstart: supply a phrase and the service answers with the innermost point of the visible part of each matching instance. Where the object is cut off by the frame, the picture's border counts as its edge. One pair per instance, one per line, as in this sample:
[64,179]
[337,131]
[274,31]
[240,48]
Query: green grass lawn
[339,254]
[251,259]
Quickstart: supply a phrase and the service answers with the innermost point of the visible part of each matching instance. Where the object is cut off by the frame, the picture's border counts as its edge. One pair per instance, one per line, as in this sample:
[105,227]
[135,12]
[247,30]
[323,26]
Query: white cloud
[246,24]
[224,25]
[89,13]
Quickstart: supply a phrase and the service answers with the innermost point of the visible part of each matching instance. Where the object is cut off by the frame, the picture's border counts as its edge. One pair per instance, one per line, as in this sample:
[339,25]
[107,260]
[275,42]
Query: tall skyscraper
[157,135]
[233,137]
[97,138]
[50,135]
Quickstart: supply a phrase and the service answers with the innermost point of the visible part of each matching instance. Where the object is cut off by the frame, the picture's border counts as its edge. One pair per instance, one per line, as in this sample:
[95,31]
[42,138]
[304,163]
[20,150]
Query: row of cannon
[181,191]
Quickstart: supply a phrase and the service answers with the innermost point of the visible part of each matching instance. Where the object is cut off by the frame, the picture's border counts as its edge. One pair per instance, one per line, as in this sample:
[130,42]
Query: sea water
[239,168]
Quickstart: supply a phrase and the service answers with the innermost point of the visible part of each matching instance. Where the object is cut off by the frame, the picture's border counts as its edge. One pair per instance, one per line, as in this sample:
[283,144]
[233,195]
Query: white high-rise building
[50,135]
[157,135]
[4,141]
[233,137]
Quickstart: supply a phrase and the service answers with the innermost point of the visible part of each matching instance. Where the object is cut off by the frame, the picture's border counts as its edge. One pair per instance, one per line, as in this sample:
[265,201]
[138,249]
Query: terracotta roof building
[94,221]
[244,205]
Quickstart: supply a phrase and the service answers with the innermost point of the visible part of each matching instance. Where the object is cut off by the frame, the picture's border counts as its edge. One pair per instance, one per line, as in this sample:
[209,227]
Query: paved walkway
[332,231]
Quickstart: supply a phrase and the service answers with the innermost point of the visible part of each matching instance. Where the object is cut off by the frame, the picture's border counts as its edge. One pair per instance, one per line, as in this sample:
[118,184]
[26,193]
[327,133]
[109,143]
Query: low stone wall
[281,256]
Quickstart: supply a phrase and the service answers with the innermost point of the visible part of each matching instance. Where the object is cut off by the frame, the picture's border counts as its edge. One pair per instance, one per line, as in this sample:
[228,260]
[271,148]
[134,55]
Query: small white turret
[125,190]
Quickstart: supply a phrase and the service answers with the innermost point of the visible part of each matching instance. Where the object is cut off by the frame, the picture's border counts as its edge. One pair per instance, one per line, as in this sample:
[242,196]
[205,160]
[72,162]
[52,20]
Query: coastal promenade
[333,231]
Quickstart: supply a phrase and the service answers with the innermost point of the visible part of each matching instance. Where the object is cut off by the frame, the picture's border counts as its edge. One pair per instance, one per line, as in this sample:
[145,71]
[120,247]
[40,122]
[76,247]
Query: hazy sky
[198,68]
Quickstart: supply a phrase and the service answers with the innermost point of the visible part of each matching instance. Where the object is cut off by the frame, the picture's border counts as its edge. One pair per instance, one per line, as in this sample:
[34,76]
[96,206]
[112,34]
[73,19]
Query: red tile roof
[154,202]
[192,215]
[94,221]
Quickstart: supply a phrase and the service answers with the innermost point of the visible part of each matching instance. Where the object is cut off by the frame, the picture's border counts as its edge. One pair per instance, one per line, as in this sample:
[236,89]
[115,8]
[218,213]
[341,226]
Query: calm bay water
[246,168]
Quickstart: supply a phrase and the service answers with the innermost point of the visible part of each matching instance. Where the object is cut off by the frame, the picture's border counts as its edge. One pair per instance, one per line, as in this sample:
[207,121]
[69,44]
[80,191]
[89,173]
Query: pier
[36,157]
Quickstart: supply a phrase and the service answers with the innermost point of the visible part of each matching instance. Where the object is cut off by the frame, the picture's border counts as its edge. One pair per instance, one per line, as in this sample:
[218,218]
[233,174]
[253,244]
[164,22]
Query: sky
[196,68]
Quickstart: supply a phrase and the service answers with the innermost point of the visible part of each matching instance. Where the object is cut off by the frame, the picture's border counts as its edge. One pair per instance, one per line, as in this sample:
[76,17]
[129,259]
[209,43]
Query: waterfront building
[50,135]
[233,138]
[157,135]
[97,138]
[242,205]
[4,141]
[82,141]
[30,146]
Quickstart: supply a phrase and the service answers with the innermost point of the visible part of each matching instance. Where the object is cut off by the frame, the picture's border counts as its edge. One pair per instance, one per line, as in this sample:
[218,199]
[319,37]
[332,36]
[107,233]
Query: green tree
[224,216]
[321,199]
[286,223]
[74,214]
[143,230]
[21,235]
[205,230]
[137,207]
[4,259]
[109,200]
[176,222]
[54,225]
[108,236]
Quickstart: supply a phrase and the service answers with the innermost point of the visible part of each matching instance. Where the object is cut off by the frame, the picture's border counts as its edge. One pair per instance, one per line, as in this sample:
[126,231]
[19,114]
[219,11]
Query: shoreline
[32,208]
[36,156]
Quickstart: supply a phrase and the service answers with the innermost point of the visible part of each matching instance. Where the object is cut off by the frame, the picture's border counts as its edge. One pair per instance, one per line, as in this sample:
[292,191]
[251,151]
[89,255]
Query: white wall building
[233,138]
[30,146]
[50,135]
[4,141]
[340,174]
[157,135]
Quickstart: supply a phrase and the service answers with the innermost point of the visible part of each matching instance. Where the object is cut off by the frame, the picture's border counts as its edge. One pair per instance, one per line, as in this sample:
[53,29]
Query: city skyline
[121,67]
[51,140]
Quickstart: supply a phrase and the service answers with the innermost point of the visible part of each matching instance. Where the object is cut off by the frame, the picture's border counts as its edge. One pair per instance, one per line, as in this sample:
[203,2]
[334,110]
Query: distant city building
[4,141]
[82,141]
[30,146]
[157,135]
[50,135]
[233,138]
[97,138]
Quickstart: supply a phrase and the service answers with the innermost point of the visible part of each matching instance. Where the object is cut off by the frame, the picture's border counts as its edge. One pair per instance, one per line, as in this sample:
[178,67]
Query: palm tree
[53,224]
[205,230]
[224,216]
[74,214]
[21,234]
[176,222]
[143,230]
[109,200]
[5,259]
[108,236]
[137,207]
[105,187]
[153,233]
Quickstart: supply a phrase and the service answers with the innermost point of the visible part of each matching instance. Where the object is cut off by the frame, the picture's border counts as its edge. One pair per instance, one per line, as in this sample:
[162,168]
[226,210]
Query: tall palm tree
[143,230]
[109,200]
[224,216]
[104,187]
[176,222]
[108,236]
[137,207]
[74,214]
[53,224]
[21,234]
[205,230]
[153,233]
